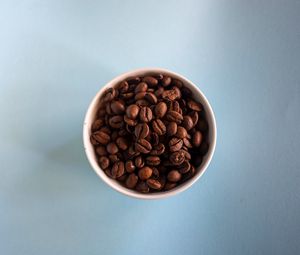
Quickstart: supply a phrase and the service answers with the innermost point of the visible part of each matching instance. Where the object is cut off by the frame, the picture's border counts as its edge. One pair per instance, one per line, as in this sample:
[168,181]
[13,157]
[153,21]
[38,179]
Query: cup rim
[89,150]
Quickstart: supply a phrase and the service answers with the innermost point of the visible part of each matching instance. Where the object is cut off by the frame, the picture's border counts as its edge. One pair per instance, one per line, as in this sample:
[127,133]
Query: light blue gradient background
[54,57]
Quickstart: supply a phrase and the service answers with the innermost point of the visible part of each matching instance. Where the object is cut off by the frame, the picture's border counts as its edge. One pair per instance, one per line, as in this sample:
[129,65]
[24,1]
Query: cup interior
[91,115]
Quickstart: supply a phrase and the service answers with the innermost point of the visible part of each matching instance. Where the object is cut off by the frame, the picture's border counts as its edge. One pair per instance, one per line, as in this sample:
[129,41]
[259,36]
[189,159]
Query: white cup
[90,152]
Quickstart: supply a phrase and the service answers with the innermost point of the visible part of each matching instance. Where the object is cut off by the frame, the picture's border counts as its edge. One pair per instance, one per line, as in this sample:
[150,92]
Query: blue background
[55,56]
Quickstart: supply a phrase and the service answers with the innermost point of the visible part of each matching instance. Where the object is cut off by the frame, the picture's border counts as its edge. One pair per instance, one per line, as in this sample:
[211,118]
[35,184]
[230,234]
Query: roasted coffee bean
[145,173]
[142,187]
[143,146]
[187,143]
[149,133]
[171,128]
[158,93]
[122,143]
[175,144]
[109,95]
[202,125]
[145,114]
[174,176]
[131,181]
[151,98]
[160,110]
[166,81]
[177,83]
[151,81]
[104,162]
[141,130]
[194,105]
[116,121]
[171,94]
[139,162]
[174,116]
[195,117]
[184,167]
[197,138]
[153,161]
[181,132]
[132,111]
[177,158]
[112,148]
[130,122]
[97,124]
[154,184]
[159,127]
[117,169]
[170,185]
[101,137]
[133,80]
[123,86]
[158,150]
[129,166]
[101,150]
[188,122]
[117,106]
[141,87]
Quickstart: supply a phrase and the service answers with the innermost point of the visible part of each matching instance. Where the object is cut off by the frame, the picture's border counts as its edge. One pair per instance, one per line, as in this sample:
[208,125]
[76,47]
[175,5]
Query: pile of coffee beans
[150,133]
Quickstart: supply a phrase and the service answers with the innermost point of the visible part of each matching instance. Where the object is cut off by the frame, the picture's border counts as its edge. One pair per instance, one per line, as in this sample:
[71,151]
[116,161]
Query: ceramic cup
[90,117]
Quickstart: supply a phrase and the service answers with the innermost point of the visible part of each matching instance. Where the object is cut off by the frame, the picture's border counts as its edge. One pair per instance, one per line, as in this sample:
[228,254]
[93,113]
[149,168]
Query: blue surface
[54,57]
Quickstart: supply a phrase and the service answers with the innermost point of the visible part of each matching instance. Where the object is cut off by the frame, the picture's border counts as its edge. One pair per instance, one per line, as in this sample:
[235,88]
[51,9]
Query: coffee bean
[105,130]
[130,122]
[174,106]
[142,102]
[97,124]
[188,122]
[187,143]
[181,132]
[177,158]
[132,111]
[113,158]
[101,112]
[159,127]
[129,166]
[101,137]
[187,155]
[197,138]
[157,150]
[141,87]
[117,106]
[160,110]
[141,130]
[194,116]
[202,125]
[117,169]
[158,77]
[166,81]
[155,172]
[145,173]
[139,162]
[101,150]
[171,94]
[133,80]
[153,160]
[194,105]
[142,187]
[131,181]
[143,146]
[177,83]
[114,135]
[116,121]
[123,86]
[140,95]
[171,128]
[151,98]
[158,93]
[151,81]
[154,184]
[174,176]
[175,144]
[122,143]
[184,167]
[109,95]
[127,96]
[112,148]
[170,185]
[104,162]
[174,116]
[145,114]
[155,138]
